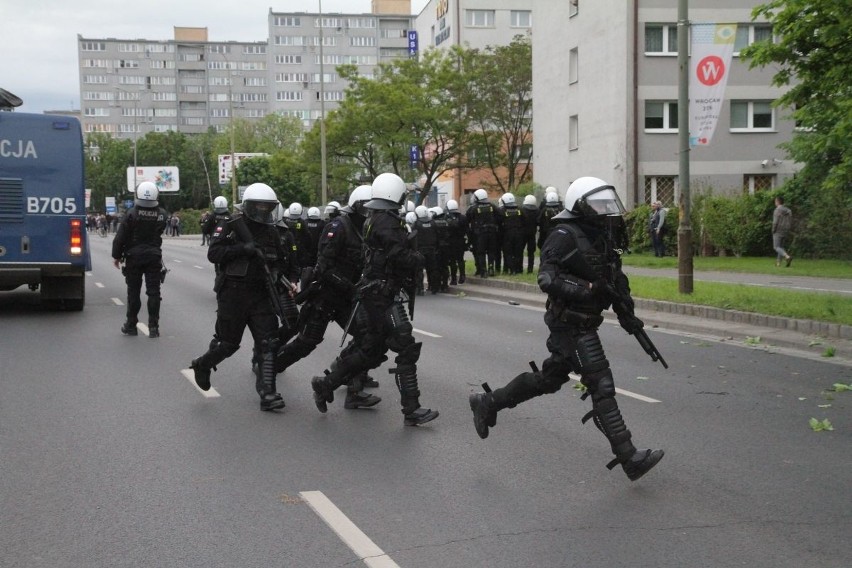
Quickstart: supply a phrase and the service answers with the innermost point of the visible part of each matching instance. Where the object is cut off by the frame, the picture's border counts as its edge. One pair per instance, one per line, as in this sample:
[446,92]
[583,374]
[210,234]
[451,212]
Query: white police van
[43,240]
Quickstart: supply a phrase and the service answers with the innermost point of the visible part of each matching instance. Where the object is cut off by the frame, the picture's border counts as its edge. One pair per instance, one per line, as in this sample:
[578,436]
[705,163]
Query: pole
[135,138]
[324,183]
[684,230]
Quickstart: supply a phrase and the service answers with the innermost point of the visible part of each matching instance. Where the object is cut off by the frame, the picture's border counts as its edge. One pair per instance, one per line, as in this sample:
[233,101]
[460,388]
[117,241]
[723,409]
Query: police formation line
[287,278]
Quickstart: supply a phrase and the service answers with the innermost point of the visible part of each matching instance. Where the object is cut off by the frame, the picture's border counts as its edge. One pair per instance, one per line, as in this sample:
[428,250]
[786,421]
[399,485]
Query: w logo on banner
[712,49]
[711,70]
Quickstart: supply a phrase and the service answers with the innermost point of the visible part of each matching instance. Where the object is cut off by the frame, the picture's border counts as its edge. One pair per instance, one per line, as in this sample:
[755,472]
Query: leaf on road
[820,425]
[641,378]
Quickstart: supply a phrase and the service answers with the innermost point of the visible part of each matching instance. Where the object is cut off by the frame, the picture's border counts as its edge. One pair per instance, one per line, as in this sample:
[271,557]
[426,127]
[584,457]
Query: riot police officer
[456,242]
[426,242]
[530,212]
[299,230]
[249,256]
[220,213]
[442,259]
[482,232]
[389,264]
[330,295]
[549,209]
[581,274]
[512,234]
[139,243]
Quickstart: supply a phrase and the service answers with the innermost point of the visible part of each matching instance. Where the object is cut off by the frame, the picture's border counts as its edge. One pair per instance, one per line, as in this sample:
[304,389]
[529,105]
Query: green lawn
[832,308]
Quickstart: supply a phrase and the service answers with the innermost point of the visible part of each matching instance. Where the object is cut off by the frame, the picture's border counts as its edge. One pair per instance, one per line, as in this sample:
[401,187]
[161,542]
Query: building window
[95,79]
[755,183]
[362,41]
[95,111]
[748,34]
[361,22]
[254,81]
[573,8]
[479,18]
[218,48]
[288,96]
[524,152]
[752,116]
[127,64]
[661,188]
[253,65]
[328,22]
[573,132]
[660,39]
[393,33]
[289,40]
[573,65]
[93,46]
[520,18]
[660,116]
[287,21]
[254,49]
[288,59]
[291,77]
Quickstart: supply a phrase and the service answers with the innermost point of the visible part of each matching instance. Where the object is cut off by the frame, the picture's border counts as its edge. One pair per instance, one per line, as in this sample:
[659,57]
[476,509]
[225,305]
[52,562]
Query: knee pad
[396,318]
[588,356]
[600,384]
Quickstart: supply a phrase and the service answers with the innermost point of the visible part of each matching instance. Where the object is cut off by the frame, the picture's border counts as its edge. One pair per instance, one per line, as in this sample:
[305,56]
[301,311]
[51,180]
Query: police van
[43,240]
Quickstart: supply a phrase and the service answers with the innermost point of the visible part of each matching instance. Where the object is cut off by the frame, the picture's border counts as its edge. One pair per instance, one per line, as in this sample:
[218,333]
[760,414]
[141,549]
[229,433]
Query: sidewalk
[804,336]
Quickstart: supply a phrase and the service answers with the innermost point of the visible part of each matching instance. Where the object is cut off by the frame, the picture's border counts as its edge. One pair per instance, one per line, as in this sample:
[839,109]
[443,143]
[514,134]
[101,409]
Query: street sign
[166,178]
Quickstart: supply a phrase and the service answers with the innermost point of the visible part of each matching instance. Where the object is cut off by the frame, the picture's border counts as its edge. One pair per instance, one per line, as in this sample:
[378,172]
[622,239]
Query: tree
[812,52]
[410,103]
[497,94]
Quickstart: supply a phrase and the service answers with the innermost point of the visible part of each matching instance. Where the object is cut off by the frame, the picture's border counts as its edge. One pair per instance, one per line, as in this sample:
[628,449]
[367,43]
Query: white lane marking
[426,333]
[117,302]
[143,328]
[190,376]
[99,284]
[198,267]
[176,260]
[350,534]
[641,397]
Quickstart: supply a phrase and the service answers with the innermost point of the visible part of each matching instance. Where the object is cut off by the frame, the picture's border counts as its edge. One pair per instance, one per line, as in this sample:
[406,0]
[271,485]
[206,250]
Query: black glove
[630,323]
[600,287]
[250,250]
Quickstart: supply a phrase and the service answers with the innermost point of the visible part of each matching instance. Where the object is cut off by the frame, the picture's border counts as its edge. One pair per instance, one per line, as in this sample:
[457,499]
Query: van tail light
[76,237]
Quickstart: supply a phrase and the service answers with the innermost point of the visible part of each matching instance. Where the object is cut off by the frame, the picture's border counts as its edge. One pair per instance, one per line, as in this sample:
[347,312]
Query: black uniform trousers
[135,268]
[242,304]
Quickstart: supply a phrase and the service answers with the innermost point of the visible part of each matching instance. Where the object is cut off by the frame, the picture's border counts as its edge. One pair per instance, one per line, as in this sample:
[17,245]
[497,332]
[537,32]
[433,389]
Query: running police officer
[581,274]
[245,294]
[389,264]
[330,295]
[139,243]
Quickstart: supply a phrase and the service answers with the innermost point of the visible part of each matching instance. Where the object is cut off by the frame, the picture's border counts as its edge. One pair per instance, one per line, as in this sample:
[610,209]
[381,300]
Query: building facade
[129,87]
[606,95]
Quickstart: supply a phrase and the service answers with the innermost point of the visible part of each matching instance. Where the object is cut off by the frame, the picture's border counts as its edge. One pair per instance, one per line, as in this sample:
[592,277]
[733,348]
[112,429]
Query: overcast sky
[38,58]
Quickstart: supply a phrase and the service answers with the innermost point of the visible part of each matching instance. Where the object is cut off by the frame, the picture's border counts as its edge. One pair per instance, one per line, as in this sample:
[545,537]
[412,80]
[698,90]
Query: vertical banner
[412,43]
[712,49]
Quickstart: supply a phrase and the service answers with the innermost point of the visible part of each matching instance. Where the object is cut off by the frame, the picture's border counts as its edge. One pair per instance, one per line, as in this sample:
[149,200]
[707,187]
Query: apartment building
[473,23]
[605,79]
[129,87]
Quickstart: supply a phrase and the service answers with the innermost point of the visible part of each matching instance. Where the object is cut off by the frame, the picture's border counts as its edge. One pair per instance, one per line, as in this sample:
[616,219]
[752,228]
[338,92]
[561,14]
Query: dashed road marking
[350,534]
[190,376]
[99,284]
[198,267]
[117,302]
[426,333]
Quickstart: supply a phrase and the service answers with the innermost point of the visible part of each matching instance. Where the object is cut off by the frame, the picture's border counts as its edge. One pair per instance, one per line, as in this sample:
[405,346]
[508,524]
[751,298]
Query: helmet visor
[265,212]
[600,201]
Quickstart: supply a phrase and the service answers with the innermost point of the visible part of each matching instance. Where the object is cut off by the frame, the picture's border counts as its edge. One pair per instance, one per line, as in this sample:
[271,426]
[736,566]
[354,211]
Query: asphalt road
[110,456]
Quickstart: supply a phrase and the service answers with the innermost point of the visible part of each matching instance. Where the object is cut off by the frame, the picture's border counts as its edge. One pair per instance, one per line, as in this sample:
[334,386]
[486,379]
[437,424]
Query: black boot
[360,400]
[484,412]
[153,328]
[413,413]
[607,418]
[323,393]
[216,353]
[641,463]
[129,328]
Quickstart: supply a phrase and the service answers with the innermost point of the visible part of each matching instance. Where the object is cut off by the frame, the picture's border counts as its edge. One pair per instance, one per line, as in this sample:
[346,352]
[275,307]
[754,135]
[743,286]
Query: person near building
[456,242]
[530,213]
[244,291]
[330,296]
[511,234]
[782,223]
[138,243]
[658,228]
[581,273]
[482,232]
[389,264]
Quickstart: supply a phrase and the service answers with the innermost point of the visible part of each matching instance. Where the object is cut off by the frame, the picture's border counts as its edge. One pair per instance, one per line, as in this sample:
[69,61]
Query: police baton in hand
[622,307]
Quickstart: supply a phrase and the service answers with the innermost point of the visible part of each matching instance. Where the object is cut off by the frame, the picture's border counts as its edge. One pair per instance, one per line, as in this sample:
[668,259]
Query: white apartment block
[129,87]
[605,89]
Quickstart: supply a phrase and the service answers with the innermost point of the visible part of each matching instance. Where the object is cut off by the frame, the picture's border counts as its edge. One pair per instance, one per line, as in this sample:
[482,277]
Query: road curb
[807,327]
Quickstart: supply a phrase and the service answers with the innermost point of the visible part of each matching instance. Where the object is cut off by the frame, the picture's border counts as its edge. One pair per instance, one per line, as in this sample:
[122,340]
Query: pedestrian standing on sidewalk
[782,222]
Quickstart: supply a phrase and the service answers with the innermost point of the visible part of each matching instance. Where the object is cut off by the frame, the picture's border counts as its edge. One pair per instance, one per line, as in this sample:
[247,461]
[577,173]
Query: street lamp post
[324,168]
[135,99]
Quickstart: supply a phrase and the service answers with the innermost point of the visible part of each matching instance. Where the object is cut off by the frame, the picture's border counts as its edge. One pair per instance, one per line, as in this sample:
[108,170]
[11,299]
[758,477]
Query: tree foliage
[497,95]
[811,55]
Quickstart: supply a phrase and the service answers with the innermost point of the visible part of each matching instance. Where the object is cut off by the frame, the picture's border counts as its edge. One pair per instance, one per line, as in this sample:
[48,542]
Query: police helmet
[147,194]
[314,213]
[590,197]
[452,205]
[220,205]
[260,204]
[388,192]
